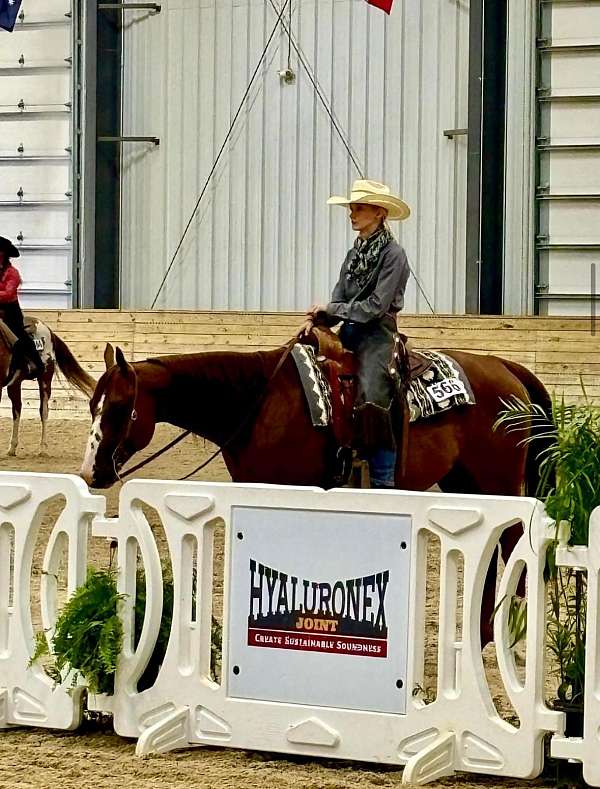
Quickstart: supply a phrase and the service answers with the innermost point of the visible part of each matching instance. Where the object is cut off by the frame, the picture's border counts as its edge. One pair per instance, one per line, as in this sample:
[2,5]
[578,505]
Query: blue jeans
[382,468]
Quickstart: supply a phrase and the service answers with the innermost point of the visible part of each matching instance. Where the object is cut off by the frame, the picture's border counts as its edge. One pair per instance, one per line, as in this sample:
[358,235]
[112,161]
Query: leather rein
[242,425]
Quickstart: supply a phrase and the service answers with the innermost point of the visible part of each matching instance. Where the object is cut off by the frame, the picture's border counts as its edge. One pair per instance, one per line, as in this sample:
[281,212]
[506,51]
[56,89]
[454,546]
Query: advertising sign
[319,607]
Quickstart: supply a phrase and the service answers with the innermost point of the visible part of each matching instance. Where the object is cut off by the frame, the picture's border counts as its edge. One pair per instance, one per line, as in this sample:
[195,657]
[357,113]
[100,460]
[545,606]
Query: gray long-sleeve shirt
[385,296]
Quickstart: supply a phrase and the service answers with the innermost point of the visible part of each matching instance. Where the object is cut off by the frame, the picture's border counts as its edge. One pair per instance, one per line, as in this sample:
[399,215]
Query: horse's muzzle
[98,481]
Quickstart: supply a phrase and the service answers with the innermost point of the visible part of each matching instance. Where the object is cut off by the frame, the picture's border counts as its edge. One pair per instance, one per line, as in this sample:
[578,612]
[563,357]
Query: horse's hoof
[520,653]
[11,453]
[43,453]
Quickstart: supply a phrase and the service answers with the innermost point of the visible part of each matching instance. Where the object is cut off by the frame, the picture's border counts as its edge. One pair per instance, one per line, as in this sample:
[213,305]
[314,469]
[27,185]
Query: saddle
[338,365]
[30,325]
[9,338]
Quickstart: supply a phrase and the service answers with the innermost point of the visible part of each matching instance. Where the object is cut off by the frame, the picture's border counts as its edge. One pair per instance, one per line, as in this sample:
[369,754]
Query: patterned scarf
[366,256]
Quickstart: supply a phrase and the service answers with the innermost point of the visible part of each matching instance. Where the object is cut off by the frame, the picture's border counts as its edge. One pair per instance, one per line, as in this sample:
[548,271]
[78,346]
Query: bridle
[232,437]
[132,419]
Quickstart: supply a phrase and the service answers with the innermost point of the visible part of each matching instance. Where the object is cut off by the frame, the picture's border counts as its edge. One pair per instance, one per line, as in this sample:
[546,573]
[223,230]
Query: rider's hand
[316,308]
[306,327]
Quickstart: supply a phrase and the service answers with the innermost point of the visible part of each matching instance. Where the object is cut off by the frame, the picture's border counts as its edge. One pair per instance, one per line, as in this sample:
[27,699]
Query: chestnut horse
[210,394]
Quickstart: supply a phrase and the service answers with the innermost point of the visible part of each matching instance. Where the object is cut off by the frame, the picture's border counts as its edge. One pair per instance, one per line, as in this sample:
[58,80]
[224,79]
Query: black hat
[9,248]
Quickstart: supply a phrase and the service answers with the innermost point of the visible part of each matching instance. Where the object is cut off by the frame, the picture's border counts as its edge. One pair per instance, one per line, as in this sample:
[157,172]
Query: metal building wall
[263,237]
[36,149]
[520,169]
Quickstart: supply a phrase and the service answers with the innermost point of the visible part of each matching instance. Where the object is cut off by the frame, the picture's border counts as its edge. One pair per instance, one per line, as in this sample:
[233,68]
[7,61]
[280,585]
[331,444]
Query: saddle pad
[41,336]
[442,387]
[316,388]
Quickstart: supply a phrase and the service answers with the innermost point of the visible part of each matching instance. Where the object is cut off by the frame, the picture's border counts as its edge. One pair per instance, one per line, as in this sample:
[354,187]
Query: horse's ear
[121,361]
[109,356]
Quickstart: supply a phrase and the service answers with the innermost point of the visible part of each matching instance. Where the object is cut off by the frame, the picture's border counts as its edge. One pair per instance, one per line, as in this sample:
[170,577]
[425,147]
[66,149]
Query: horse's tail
[70,367]
[542,433]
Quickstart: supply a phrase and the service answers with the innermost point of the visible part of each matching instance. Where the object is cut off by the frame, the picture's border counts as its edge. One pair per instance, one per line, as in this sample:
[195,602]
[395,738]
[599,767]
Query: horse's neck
[211,393]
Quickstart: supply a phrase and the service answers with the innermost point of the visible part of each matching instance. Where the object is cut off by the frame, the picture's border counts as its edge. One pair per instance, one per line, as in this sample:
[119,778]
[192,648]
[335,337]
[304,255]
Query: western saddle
[338,366]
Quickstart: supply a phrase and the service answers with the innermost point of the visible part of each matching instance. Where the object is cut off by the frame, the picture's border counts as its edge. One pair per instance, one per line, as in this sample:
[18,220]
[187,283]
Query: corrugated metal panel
[35,144]
[569,157]
[263,237]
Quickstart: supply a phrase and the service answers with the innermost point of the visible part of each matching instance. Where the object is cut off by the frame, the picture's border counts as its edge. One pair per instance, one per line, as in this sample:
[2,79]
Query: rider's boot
[26,355]
[382,468]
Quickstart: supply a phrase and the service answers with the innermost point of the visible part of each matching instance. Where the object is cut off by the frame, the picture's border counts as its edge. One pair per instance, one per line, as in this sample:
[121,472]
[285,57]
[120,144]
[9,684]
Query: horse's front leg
[14,392]
[45,387]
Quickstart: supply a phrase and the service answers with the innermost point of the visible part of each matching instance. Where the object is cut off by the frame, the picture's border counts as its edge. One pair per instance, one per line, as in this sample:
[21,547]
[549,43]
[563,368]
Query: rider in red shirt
[10,310]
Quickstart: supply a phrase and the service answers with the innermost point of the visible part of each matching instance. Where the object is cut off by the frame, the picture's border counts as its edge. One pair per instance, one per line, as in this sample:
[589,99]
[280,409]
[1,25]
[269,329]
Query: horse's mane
[217,362]
[240,372]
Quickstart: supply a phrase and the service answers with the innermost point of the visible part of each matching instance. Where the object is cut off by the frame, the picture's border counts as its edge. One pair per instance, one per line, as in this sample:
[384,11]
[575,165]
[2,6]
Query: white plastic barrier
[28,697]
[323,623]
[293,693]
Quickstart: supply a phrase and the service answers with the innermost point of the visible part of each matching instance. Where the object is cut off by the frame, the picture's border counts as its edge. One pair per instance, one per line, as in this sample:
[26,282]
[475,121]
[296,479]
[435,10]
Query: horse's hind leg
[14,392]
[460,480]
[45,387]
[508,541]
[506,480]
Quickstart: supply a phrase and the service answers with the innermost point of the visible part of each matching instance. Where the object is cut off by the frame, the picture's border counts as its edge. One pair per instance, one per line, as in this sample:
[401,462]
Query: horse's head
[122,421]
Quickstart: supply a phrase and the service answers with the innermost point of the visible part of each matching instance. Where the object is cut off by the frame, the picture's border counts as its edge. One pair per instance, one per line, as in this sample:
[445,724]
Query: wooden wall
[558,350]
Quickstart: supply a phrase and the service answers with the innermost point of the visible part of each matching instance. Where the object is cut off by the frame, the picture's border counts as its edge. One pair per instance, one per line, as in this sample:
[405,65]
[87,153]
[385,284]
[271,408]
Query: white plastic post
[28,697]
[585,749]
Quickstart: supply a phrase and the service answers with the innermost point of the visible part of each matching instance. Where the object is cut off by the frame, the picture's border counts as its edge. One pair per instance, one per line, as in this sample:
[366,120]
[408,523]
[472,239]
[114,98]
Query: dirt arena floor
[94,757]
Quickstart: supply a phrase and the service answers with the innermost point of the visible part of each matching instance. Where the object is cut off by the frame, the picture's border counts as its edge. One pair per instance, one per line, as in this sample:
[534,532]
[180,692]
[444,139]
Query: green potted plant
[88,636]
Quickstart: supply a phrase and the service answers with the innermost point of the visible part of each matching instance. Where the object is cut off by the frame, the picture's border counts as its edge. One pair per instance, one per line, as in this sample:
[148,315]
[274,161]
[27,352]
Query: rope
[336,126]
[318,91]
[222,149]
[289,59]
[158,453]
[334,122]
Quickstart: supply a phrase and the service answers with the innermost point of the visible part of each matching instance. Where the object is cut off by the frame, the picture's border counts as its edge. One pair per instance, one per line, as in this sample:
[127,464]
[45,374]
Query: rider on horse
[25,354]
[366,299]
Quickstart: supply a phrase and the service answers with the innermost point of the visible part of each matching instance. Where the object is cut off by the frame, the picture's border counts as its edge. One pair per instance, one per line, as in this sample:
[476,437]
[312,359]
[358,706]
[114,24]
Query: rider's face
[365,218]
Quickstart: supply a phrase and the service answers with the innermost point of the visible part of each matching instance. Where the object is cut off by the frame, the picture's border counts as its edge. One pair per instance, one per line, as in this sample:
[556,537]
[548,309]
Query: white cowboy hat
[374,193]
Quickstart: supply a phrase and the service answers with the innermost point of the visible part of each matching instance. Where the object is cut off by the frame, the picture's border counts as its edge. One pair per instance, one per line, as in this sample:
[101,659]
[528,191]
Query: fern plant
[570,489]
[88,637]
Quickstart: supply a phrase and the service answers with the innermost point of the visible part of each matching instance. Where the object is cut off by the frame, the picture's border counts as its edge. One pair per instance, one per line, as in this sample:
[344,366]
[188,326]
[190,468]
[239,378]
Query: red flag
[385,5]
